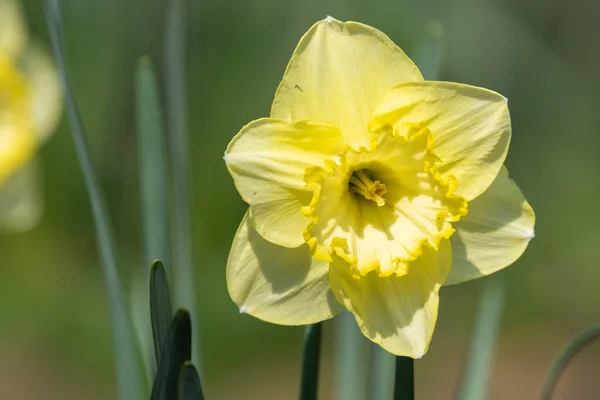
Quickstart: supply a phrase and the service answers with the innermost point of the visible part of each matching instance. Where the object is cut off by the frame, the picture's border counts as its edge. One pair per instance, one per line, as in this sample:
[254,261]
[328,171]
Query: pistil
[362,184]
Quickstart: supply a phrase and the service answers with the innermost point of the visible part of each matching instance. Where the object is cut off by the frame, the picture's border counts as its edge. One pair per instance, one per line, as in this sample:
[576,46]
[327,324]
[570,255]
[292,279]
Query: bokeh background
[541,54]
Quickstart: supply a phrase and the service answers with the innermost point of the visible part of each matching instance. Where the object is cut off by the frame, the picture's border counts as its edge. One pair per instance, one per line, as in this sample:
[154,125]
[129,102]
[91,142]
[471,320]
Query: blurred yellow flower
[359,185]
[30,107]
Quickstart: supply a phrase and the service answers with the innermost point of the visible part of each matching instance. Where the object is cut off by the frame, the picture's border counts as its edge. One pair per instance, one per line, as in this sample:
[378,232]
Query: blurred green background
[542,55]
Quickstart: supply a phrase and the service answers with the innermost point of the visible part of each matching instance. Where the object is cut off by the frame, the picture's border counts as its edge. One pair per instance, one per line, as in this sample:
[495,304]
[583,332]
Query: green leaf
[182,273]
[152,164]
[483,343]
[161,311]
[309,387]
[404,386]
[176,351]
[565,355]
[129,368]
[190,387]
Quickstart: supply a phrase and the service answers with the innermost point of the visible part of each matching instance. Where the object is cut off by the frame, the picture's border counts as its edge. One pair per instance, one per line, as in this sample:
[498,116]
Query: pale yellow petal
[21,199]
[398,313]
[340,72]
[494,234]
[470,127]
[267,161]
[45,95]
[13,33]
[17,140]
[277,284]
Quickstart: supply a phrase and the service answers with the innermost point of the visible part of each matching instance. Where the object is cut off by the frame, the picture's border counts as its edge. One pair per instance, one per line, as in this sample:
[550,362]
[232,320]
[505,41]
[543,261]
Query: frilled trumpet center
[378,207]
[361,183]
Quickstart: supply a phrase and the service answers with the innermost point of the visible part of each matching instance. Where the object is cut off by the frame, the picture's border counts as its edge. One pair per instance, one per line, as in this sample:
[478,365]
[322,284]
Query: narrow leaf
[483,343]
[152,162]
[190,387]
[309,386]
[161,311]
[565,355]
[404,386]
[176,351]
[129,368]
[176,106]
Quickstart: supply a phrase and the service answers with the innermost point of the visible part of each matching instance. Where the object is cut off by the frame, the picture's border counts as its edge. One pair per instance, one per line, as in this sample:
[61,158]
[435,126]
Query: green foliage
[161,311]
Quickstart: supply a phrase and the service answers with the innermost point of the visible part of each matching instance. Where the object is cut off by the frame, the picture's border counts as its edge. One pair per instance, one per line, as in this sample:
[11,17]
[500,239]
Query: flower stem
[350,359]
[309,388]
[481,353]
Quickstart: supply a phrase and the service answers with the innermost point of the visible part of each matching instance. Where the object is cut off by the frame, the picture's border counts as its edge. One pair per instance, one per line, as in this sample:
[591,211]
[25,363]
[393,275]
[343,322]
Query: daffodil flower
[369,189]
[30,106]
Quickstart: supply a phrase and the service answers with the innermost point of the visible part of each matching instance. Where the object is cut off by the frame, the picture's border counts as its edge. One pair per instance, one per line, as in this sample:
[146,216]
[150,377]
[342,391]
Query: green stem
[404,386]
[309,387]
[351,356]
[183,266]
[129,369]
[565,355]
[381,385]
[483,343]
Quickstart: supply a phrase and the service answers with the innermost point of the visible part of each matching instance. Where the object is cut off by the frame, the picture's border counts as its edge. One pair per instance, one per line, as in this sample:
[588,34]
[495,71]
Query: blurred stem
[182,272]
[404,386]
[350,359]
[311,358]
[152,168]
[565,355]
[430,50]
[483,343]
[130,376]
[382,374]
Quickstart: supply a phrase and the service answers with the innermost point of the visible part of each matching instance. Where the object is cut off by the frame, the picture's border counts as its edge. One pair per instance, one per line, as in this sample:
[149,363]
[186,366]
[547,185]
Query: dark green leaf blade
[310,362]
[128,361]
[190,387]
[404,386]
[176,351]
[161,311]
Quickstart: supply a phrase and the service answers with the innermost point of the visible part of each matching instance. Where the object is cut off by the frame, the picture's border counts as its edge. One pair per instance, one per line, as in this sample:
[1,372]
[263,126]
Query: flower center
[361,183]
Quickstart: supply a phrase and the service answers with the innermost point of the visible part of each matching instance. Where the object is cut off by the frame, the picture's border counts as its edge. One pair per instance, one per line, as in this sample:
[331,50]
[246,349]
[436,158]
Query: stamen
[362,184]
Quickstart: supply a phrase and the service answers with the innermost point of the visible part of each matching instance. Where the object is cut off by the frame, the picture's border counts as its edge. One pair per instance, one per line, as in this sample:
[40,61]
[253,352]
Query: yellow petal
[494,234]
[267,160]
[340,72]
[277,284]
[21,199]
[470,127]
[17,141]
[44,90]
[13,34]
[398,313]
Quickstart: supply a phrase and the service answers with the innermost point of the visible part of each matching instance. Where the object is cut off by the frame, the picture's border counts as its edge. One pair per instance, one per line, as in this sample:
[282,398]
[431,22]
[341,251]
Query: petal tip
[329,18]
[244,309]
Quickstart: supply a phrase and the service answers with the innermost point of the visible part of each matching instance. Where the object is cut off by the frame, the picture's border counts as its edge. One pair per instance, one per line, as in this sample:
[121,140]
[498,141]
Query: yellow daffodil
[369,189]
[30,106]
